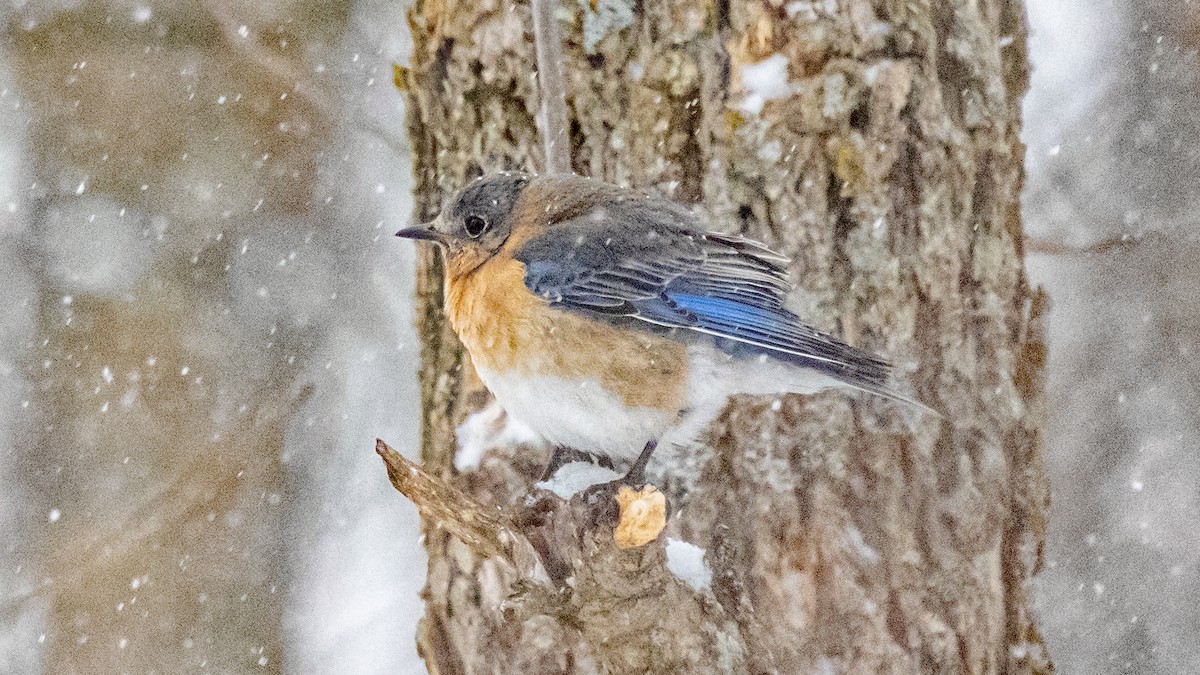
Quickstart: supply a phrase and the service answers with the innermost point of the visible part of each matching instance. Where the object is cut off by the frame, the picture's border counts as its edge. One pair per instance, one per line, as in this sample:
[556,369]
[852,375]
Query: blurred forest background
[207,323]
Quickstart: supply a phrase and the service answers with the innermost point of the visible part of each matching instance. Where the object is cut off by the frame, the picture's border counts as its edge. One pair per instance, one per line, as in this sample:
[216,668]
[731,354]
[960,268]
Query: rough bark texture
[842,536]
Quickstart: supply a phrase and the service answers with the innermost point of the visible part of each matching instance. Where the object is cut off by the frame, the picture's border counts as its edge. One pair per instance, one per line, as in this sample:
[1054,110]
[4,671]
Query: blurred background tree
[205,333]
[1112,124]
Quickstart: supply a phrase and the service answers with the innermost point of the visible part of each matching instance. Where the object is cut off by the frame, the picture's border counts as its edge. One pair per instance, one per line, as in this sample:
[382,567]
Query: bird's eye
[475,226]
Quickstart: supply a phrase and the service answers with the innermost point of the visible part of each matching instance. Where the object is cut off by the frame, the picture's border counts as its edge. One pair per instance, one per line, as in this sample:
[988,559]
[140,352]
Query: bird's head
[475,223]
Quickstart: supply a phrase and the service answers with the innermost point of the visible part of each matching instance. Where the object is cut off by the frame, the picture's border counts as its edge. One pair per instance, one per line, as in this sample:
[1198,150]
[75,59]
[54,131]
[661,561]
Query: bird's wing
[645,261]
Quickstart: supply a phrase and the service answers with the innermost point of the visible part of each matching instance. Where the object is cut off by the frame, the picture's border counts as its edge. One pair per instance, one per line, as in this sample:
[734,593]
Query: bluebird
[608,321]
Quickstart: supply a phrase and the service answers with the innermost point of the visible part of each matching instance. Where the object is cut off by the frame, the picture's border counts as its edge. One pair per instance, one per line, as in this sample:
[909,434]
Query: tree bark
[842,534]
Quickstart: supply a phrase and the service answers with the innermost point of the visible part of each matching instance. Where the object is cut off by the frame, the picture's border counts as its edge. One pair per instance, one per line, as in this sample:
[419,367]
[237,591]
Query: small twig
[553,115]
[1047,246]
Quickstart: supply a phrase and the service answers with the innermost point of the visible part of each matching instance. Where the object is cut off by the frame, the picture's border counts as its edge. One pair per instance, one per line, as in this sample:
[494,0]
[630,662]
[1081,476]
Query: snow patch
[765,81]
[855,537]
[487,429]
[574,477]
[686,561]
[602,17]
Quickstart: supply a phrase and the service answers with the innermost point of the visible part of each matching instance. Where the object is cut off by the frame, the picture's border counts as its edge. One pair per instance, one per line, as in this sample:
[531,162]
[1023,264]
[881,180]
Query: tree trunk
[842,535]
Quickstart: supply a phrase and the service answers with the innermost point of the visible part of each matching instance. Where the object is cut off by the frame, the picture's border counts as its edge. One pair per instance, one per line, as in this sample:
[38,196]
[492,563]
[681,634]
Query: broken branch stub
[482,529]
[596,563]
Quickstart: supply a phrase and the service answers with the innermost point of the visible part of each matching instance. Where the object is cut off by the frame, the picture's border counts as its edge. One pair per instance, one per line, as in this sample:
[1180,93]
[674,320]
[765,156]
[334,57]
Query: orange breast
[506,328]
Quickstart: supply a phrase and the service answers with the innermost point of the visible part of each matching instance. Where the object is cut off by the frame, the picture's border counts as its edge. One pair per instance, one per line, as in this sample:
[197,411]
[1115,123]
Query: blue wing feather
[666,274]
[770,330]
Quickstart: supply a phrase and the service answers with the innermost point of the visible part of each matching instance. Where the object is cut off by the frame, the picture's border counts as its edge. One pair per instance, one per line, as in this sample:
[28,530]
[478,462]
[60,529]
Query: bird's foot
[636,476]
[561,456]
[636,510]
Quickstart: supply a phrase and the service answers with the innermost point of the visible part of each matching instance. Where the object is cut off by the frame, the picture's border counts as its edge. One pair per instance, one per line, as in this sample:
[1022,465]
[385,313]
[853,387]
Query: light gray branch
[553,115]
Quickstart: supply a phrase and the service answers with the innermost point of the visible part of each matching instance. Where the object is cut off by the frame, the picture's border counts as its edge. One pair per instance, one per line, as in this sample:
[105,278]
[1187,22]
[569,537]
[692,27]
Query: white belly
[577,414]
[580,414]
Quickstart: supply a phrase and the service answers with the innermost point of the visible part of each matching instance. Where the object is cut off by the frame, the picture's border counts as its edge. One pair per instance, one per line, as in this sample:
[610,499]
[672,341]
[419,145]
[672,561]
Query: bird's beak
[427,231]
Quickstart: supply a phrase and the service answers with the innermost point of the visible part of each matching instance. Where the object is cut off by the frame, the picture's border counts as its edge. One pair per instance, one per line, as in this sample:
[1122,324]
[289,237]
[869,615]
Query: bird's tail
[862,370]
[890,392]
